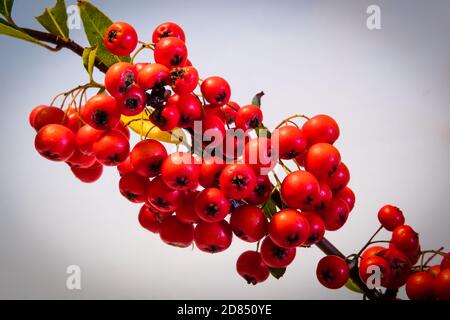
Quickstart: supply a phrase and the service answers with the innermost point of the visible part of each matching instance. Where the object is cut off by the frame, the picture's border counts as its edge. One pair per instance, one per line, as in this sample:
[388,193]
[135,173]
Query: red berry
[186,212]
[301,159]
[234,143]
[133,101]
[81,160]
[259,154]
[213,237]
[134,187]
[413,256]
[190,109]
[261,192]
[166,118]
[170,52]
[123,129]
[126,166]
[184,80]
[119,78]
[390,217]
[248,117]
[167,29]
[324,198]
[322,160]
[371,251]
[85,137]
[176,233]
[213,110]
[47,115]
[162,198]
[332,272]
[275,256]
[153,74]
[291,141]
[213,132]
[348,196]
[230,110]
[367,266]
[148,219]
[90,174]
[237,181]
[445,263]
[252,268]
[335,214]
[72,120]
[55,142]
[111,148]
[405,238]
[400,267]
[211,205]
[321,128]
[101,112]
[179,171]
[210,171]
[434,270]
[216,90]
[120,39]
[299,190]
[140,65]
[316,228]
[147,157]
[420,286]
[442,285]
[288,228]
[249,223]
[339,179]
[33,113]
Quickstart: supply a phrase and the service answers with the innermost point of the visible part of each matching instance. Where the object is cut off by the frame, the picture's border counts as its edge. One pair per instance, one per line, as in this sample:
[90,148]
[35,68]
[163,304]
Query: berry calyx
[211,205]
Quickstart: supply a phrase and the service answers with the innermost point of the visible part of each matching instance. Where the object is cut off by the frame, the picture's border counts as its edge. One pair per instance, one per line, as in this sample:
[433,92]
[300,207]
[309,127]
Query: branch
[63,43]
[327,247]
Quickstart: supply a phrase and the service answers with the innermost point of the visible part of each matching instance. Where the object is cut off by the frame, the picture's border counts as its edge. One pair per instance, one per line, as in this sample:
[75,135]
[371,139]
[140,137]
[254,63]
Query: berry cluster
[396,262]
[227,184]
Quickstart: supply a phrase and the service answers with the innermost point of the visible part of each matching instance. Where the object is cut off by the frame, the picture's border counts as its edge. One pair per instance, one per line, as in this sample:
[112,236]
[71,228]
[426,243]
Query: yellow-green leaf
[143,126]
[6,7]
[269,208]
[89,55]
[54,20]
[95,24]
[12,31]
[352,286]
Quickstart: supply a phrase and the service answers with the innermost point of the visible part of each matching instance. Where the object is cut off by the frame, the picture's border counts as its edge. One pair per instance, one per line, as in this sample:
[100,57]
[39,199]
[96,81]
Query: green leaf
[277,273]
[12,31]
[54,20]
[351,285]
[6,7]
[89,55]
[269,208]
[259,130]
[95,24]
[257,99]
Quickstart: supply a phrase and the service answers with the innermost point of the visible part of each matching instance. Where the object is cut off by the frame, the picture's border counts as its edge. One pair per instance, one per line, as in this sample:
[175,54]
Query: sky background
[388,89]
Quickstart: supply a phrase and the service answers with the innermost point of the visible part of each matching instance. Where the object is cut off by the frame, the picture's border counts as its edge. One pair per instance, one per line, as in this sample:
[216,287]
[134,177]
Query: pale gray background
[388,89]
